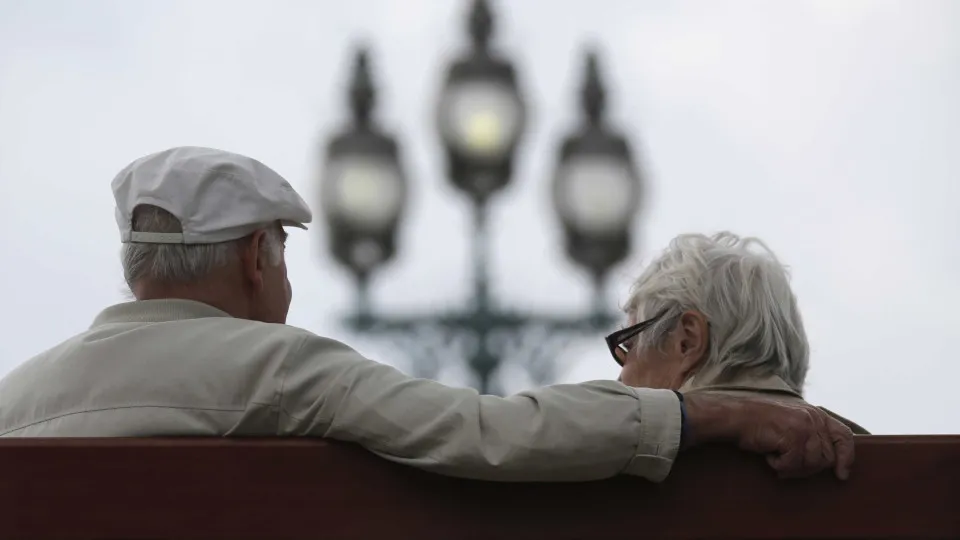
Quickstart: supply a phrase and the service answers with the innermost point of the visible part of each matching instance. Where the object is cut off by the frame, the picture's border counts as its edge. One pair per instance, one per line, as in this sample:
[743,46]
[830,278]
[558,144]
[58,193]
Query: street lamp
[480,118]
[596,187]
[363,190]
[481,114]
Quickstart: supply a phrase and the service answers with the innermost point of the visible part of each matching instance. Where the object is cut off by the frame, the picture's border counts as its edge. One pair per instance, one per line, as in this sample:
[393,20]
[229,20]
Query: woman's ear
[621,355]
[694,341]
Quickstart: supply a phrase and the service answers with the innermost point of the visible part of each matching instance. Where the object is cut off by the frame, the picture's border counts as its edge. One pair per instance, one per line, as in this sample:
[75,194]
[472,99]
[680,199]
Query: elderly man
[204,350]
[715,315]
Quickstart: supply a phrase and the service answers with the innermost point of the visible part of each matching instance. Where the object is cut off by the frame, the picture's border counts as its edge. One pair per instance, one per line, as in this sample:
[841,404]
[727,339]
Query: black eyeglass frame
[618,339]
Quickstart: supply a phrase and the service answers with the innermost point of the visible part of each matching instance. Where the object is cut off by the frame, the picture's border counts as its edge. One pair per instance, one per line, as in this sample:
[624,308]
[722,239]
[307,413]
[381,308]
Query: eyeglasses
[623,339]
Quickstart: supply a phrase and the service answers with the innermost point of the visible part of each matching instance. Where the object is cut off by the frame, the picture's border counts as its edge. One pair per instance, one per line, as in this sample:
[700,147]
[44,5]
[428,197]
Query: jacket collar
[768,384]
[148,311]
[771,385]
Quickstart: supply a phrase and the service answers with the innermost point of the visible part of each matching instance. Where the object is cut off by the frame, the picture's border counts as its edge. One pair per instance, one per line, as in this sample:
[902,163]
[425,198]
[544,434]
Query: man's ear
[694,341]
[252,260]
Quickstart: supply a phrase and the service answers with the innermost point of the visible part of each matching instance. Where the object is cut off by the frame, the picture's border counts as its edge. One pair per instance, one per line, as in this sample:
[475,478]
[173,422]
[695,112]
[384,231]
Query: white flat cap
[217,196]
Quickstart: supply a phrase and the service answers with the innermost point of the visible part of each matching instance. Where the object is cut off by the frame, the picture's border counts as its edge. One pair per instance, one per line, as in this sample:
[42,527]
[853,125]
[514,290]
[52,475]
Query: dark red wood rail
[902,487]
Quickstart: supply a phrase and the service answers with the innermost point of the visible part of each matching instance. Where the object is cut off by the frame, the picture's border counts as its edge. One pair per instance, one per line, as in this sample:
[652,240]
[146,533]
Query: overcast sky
[830,129]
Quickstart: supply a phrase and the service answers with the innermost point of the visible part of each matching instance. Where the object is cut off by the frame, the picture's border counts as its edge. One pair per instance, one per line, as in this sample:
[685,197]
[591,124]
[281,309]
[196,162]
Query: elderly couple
[714,351]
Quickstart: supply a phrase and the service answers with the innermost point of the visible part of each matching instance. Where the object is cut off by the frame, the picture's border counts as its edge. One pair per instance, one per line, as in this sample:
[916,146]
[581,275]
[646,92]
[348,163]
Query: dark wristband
[683,418]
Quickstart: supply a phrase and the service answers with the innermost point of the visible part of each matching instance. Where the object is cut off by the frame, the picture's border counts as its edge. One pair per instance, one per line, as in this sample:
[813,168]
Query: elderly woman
[715,313]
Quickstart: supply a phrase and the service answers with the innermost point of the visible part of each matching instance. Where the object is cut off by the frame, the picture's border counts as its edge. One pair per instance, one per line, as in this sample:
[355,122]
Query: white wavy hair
[183,263]
[744,292]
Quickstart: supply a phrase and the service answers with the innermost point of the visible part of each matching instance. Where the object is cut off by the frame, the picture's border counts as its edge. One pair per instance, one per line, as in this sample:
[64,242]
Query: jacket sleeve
[568,432]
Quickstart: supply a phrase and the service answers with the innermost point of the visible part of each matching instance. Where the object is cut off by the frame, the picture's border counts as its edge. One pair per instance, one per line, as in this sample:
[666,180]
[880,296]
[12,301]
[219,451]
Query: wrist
[710,418]
[684,423]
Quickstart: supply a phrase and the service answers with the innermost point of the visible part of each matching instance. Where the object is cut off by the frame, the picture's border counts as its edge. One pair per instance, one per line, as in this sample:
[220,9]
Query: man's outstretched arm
[558,433]
[572,432]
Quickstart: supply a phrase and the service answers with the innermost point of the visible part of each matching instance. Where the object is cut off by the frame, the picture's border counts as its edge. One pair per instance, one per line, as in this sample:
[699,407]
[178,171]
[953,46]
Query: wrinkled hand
[797,438]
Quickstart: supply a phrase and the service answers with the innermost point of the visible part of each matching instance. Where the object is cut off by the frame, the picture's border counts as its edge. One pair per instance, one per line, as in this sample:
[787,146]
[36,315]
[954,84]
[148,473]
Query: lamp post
[596,187]
[363,191]
[481,119]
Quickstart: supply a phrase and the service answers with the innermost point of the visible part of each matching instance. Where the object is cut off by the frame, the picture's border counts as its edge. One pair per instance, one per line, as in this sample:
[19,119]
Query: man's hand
[797,438]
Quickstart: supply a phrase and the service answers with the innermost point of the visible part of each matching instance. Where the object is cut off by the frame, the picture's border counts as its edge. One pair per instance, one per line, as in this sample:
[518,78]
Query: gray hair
[183,263]
[755,324]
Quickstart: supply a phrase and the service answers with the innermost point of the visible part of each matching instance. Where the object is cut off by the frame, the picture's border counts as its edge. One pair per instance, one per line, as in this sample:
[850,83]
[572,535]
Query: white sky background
[828,128]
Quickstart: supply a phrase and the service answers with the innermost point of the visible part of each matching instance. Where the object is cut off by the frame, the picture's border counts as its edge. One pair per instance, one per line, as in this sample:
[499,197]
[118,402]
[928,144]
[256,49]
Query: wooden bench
[902,487]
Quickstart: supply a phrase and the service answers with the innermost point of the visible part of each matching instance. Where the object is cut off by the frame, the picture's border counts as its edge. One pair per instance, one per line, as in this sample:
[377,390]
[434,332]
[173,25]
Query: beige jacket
[770,386]
[176,367]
